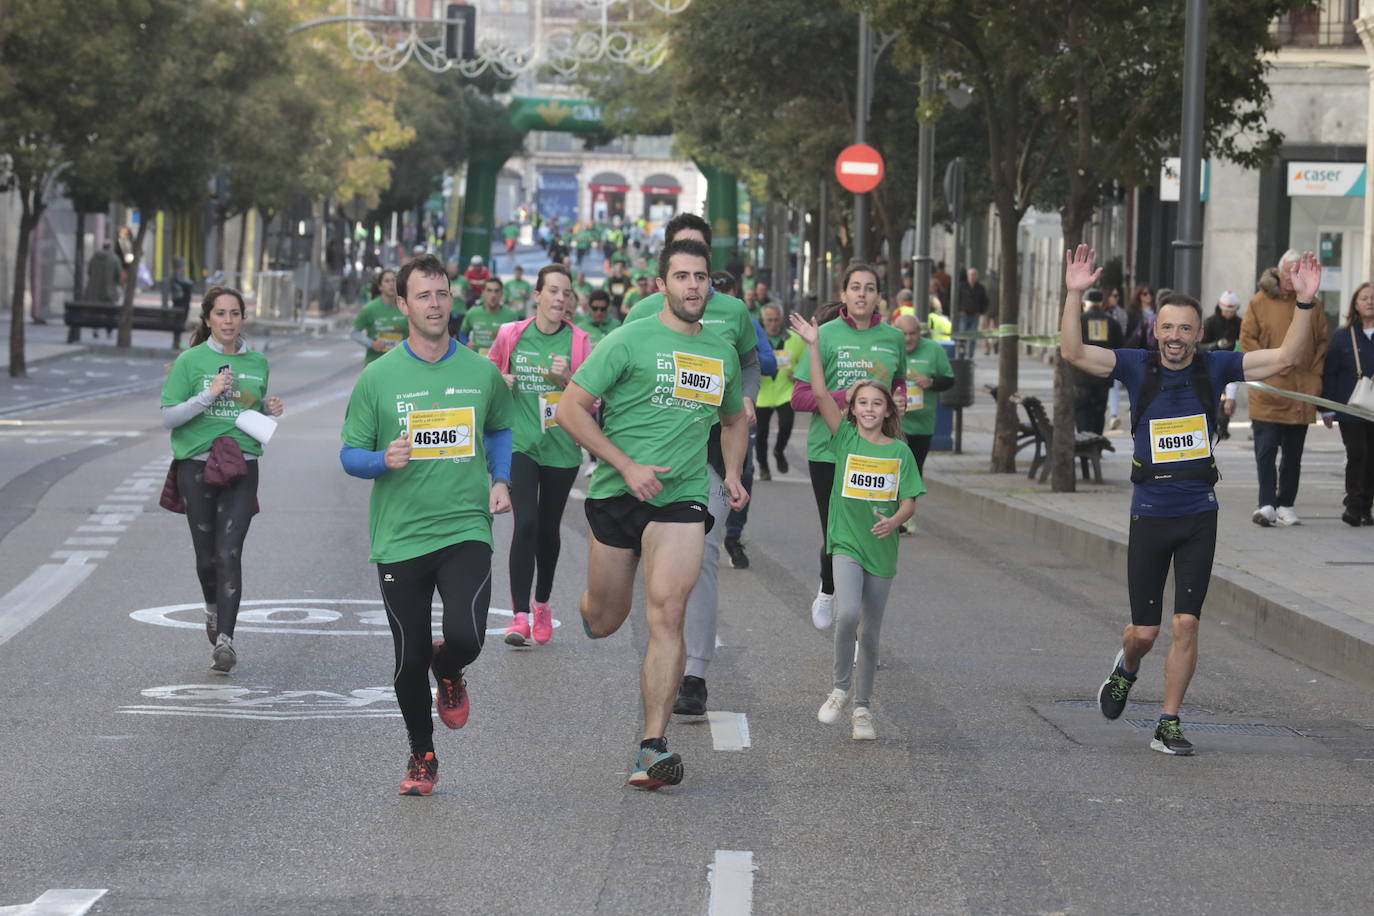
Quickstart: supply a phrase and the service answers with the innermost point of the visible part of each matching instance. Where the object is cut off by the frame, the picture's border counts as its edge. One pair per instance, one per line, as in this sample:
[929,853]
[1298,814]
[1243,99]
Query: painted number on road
[305,617]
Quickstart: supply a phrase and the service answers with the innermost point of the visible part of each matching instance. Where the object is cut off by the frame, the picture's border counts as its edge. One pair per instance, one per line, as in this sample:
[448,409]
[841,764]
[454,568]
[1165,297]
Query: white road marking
[719,644]
[90,542]
[43,590]
[102,529]
[312,354]
[79,556]
[732,883]
[729,730]
[60,902]
[308,617]
[234,702]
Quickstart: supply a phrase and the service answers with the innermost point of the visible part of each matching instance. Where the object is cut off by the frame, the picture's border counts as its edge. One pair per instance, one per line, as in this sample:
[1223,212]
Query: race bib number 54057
[873,479]
[441,434]
[698,378]
[1179,439]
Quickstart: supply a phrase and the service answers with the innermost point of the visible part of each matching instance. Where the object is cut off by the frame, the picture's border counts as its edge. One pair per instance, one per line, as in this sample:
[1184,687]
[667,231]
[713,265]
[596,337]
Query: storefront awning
[660,189]
[608,188]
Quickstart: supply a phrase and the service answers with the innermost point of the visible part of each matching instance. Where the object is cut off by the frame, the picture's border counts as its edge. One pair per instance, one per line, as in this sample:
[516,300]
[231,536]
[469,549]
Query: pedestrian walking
[429,424]
[872,496]
[214,458]
[1350,358]
[661,381]
[1173,503]
[775,394]
[1221,331]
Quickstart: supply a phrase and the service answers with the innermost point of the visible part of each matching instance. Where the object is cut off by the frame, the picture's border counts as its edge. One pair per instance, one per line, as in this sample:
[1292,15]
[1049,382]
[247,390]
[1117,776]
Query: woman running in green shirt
[873,494]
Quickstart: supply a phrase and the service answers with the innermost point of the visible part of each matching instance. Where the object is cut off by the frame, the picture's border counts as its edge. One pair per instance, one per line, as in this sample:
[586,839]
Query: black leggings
[1189,542]
[920,448]
[822,480]
[765,415]
[538,496]
[462,574]
[218,518]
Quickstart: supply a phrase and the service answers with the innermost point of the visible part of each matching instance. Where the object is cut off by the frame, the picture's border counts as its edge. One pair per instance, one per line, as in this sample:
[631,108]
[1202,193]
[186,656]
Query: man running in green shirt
[428,422]
[661,382]
[480,325]
[380,324]
[597,320]
[927,373]
[517,291]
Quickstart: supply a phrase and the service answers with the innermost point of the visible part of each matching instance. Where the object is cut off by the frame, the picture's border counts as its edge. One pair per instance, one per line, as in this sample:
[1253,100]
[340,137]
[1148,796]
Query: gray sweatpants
[699,624]
[860,598]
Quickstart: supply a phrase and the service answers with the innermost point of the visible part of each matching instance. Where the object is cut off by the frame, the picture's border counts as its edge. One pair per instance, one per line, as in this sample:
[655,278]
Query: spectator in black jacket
[1090,401]
[1222,332]
[1350,356]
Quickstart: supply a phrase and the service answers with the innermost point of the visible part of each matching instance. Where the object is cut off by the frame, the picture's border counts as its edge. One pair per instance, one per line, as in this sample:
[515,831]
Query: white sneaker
[224,655]
[829,712]
[823,611]
[863,724]
[1264,516]
[1287,517]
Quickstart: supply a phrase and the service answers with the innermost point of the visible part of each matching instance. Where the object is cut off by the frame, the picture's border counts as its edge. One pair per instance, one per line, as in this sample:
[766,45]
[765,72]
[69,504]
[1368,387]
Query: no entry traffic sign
[859,168]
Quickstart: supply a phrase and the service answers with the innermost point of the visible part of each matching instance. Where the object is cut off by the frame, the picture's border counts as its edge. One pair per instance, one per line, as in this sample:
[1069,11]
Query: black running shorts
[619,521]
[1189,543]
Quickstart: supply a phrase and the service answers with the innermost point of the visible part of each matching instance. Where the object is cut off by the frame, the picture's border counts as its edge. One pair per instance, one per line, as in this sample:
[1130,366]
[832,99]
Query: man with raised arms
[662,382]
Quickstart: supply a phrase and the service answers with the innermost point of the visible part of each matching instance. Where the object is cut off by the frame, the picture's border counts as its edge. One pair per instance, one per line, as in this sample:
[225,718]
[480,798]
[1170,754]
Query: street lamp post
[1188,245]
[862,90]
[921,262]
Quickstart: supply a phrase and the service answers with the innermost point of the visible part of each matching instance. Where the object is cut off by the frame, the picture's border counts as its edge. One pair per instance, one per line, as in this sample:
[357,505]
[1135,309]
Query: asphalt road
[127,767]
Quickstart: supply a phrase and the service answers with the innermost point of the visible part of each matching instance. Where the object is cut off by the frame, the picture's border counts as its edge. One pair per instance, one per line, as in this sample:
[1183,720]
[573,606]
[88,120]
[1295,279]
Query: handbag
[1363,395]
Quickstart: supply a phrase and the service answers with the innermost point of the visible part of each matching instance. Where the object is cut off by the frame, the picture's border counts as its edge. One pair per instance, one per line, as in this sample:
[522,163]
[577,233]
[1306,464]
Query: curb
[1281,620]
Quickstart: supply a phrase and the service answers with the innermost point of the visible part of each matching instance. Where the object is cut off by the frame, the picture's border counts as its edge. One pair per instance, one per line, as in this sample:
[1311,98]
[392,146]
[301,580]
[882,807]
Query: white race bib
[915,397]
[441,434]
[1179,439]
[783,358]
[698,378]
[873,479]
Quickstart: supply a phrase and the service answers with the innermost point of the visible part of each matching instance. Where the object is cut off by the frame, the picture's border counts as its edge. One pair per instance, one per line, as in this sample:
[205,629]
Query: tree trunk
[31,202]
[79,267]
[1063,474]
[1009,313]
[126,315]
[243,243]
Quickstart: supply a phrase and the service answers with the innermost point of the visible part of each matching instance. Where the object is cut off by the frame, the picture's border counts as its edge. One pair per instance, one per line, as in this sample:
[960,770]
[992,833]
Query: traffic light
[460,32]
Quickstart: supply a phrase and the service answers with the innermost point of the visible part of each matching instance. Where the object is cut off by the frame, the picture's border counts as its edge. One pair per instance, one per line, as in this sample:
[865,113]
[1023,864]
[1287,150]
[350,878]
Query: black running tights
[822,480]
[538,495]
[218,518]
[462,575]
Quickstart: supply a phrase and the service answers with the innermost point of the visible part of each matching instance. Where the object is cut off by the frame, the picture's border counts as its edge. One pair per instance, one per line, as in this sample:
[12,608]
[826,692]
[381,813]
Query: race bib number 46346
[698,378]
[1179,439]
[441,434]
[873,479]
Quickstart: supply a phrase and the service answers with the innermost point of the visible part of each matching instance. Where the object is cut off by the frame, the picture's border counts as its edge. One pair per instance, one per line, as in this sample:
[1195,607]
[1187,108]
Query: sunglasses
[596,308]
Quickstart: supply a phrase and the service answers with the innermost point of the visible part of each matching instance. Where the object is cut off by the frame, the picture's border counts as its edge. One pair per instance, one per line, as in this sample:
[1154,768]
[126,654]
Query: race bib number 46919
[698,378]
[441,434]
[1179,439]
[873,479]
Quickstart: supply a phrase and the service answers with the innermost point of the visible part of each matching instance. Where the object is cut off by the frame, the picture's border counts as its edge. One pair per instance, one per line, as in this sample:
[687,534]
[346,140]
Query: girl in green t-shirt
[208,387]
[874,493]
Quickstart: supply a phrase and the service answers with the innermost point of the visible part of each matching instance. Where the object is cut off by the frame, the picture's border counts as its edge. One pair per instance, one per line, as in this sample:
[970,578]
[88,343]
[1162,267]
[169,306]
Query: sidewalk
[1303,591]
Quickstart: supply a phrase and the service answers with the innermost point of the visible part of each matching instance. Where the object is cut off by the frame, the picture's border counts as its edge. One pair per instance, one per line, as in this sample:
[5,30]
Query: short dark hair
[493,279]
[681,246]
[686,221]
[550,269]
[428,266]
[723,282]
[1180,299]
[599,295]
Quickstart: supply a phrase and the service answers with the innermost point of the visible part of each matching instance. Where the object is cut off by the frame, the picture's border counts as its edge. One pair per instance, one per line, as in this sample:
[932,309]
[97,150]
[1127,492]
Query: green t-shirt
[868,477]
[582,289]
[596,332]
[510,232]
[631,298]
[460,287]
[380,322]
[481,326]
[536,398]
[789,350]
[441,497]
[725,315]
[620,257]
[849,355]
[927,359]
[516,293]
[583,238]
[191,374]
[661,392]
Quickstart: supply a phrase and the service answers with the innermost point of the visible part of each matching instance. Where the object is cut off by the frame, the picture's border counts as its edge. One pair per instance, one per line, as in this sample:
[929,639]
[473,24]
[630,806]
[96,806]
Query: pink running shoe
[518,634]
[541,622]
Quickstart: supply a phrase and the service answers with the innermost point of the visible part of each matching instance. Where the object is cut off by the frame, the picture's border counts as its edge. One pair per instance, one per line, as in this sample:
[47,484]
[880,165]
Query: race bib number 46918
[1179,439]
[873,479]
[441,434]
[698,378]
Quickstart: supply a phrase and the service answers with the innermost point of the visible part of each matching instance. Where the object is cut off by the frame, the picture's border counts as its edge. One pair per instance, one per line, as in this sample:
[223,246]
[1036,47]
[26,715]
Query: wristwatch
[1305,305]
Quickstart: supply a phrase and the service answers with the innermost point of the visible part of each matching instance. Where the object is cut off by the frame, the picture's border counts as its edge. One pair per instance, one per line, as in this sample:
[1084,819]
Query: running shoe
[781,461]
[764,475]
[518,633]
[1169,739]
[224,657]
[422,772]
[1264,516]
[655,769]
[1351,519]
[823,611]
[1285,517]
[212,625]
[829,713]
[541,622]
[691,697]
[450,696]
[862,724]
[738,558]
[1111,696]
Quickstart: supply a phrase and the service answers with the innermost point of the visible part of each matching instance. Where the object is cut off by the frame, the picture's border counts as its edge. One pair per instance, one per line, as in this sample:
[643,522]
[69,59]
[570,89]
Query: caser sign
[1326,179]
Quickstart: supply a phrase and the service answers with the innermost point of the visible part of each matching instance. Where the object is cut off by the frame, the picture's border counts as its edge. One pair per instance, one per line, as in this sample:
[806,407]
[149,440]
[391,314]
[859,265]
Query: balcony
[1326,24]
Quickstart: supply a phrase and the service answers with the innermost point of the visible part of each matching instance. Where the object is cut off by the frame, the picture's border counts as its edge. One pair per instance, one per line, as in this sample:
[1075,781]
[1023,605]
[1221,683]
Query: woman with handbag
[1349,365]
[214,459]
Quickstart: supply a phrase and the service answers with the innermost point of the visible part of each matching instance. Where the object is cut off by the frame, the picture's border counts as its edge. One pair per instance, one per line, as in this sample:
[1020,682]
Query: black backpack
[1143,469]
